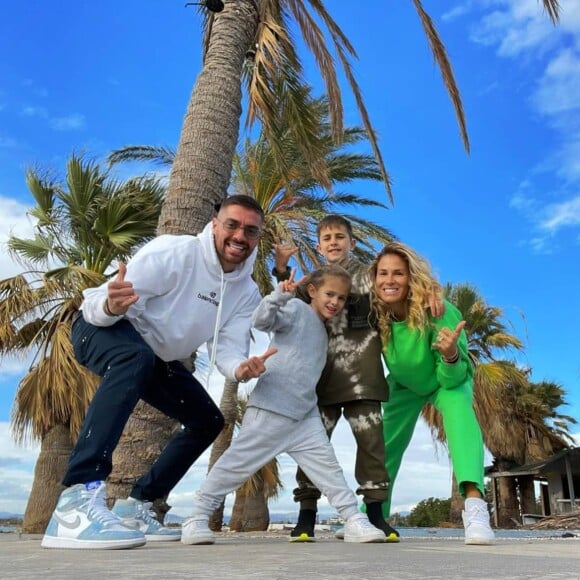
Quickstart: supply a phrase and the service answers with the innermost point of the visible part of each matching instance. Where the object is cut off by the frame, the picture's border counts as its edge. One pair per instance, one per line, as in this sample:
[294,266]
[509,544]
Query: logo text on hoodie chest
[211,298]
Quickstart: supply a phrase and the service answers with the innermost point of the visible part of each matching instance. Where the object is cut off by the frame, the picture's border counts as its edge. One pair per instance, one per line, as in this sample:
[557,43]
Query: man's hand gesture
[120,294]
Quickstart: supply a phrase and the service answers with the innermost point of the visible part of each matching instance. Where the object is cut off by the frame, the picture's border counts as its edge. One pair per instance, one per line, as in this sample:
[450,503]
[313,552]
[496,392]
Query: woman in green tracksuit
[428,362]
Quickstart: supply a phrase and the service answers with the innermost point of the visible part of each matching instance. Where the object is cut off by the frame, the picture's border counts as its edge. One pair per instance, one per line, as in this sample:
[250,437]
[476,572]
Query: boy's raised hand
[254,366]
[290,285]
[120,293]
[283,251]
[435,302]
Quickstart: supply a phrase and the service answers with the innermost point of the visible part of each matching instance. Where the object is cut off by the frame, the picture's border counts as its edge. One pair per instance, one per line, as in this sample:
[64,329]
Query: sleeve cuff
[283,276]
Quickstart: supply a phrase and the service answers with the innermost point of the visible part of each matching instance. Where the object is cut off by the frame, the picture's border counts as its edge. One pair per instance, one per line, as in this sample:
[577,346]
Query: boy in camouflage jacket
[352,383]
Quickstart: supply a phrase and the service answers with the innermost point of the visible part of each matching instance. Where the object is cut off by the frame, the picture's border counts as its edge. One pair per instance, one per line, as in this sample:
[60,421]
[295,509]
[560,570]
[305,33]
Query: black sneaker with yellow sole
[375,514]
[304,529]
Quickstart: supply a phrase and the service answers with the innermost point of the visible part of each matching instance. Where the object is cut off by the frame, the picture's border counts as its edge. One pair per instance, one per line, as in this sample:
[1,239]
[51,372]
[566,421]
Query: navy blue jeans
[130,371]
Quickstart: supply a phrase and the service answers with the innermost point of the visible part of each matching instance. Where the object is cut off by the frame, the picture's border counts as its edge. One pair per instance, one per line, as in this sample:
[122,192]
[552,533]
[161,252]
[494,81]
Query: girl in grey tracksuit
[282,413]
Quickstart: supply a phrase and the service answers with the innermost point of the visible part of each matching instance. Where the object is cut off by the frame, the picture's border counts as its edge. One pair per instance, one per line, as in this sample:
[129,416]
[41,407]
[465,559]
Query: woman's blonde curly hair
[422,285]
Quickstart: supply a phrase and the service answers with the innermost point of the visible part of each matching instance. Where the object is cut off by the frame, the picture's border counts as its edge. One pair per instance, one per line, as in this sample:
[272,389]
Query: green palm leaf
[85,224]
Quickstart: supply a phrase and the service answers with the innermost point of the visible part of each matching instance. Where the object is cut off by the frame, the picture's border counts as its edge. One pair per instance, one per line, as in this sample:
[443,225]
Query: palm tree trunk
[199,178]
[250,512]
[229,409]
[255,515]
[55,450]
[203,162]
[237,517]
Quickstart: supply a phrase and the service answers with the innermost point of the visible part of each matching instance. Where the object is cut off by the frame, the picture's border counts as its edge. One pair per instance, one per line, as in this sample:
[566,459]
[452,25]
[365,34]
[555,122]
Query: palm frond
[43,192]
[552,7]
[159,155]
[36,251]
[519,420]
[440,56]
[84,226]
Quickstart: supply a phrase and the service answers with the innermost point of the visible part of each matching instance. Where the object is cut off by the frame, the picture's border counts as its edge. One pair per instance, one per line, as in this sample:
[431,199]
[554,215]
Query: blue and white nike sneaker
[82,521]
[138,515]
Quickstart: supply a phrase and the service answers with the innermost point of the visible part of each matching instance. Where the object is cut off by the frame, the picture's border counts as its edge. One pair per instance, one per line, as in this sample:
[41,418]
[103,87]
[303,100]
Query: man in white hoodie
[177,293]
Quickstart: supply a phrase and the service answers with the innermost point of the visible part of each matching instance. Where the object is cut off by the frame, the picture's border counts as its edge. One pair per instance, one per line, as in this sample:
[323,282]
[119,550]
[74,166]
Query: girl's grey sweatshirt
[288,387]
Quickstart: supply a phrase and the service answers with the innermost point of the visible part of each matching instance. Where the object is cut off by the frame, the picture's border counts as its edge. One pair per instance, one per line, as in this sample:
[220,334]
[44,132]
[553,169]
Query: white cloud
[568,160]
[521,29]
[72,122]
[30,111]
[13,221]
[557,90]
[30,84]
[12,367]
[16,472]
[548,218]
[457,11]
[560,215]
[557,99]
[7,143]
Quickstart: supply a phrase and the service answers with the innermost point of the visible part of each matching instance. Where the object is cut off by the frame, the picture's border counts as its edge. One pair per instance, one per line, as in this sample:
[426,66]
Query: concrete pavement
[269,556]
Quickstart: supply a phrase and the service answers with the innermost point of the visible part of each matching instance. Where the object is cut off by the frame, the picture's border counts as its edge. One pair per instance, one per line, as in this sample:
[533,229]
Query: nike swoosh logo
[133,524]
[70,525]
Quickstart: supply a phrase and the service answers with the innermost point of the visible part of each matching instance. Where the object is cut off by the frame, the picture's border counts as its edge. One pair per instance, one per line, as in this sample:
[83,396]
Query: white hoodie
[180,284]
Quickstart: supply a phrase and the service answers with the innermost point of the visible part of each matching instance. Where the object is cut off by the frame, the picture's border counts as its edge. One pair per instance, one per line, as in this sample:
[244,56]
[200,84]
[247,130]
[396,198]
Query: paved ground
[269,556]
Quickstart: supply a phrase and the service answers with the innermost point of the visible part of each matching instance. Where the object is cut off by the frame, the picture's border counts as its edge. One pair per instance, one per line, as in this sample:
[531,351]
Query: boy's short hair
[334,220]
[246,201]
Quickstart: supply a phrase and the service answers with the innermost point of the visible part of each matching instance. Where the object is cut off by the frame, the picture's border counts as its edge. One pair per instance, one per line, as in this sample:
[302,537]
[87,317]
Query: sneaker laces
[478,514]
[366,525]
[362,522]
[96,506]
[145,513]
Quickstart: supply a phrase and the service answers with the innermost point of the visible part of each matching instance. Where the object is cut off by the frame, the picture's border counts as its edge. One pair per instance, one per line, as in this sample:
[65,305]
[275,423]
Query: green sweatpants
[463,433]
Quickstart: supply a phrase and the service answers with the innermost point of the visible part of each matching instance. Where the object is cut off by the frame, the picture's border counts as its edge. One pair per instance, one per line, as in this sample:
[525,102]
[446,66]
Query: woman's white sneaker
[475,516]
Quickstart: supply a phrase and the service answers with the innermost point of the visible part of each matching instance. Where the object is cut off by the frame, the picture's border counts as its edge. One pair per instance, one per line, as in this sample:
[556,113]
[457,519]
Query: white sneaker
[195,531]
[475,516]
[138,515]
[81,520]
[358,529]
[339,534]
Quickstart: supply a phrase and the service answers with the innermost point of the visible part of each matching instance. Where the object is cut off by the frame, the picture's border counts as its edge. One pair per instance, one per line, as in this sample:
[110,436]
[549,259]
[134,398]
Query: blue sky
[92,77]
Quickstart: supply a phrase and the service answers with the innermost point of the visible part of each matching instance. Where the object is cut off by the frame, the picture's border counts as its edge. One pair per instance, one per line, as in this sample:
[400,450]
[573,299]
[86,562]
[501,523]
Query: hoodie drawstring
[223,284]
